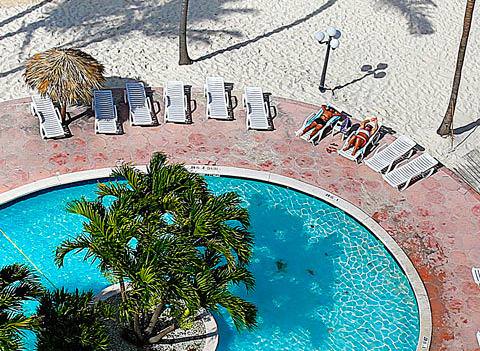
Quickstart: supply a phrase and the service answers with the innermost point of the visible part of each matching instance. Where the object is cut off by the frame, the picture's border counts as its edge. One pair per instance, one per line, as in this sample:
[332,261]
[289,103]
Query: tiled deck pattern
[436,221]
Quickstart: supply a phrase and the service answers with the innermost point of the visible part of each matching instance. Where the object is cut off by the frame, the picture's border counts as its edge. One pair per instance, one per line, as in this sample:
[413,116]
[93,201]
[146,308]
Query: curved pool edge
[376,229]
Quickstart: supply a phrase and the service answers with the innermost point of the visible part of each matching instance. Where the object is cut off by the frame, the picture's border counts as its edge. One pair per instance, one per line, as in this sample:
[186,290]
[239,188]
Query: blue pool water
[324,283]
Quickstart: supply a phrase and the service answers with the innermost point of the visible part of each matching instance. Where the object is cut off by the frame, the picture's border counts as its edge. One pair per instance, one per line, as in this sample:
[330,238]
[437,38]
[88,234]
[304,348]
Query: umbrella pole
[63,111]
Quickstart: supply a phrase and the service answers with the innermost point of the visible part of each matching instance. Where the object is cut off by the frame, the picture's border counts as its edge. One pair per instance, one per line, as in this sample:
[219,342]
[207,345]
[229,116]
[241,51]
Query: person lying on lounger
[320,122]
[363,134]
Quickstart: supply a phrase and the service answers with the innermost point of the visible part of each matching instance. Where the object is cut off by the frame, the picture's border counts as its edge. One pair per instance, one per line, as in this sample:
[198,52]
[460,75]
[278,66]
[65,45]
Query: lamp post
[329,37]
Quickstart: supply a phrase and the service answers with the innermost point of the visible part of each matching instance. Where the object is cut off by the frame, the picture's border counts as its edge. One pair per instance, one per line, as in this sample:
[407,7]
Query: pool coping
[425,315]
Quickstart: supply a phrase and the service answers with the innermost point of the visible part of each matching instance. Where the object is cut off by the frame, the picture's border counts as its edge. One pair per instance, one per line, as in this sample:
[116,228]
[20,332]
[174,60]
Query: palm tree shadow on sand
[417,13]
[88,23]
[280,29]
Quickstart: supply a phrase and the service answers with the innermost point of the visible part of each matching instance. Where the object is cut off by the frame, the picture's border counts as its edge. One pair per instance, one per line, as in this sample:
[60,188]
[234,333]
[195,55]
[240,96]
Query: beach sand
[269,43]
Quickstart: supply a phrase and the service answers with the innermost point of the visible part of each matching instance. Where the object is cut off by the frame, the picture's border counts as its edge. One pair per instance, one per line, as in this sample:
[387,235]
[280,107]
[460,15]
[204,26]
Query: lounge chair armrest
[249,108]
[193,105]
[149,104]
[380,148]
[125,96]
[234,102]
[115,111]
[274,114]
[209,98]
[166,99]
[58,115]
[33,110]
[399,164]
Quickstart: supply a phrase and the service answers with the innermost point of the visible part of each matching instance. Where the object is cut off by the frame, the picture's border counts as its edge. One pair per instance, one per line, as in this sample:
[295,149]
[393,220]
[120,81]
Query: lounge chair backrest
[103,104]
[175,108]
[391,153]
[216,99]
[45,107]
[404,173]
[136,95]
[50,123]
[257,116]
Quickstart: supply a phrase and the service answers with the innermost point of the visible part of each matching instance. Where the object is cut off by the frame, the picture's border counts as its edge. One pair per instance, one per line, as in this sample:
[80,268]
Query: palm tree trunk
[184,58]
[63,111]
[165,331]
[136,327]
[122,289]
[154,319]
[447,123]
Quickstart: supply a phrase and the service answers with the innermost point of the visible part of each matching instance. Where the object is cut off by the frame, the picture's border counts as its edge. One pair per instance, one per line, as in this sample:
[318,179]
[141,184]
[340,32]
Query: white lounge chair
[401,176]
[360,154]
[48,116]
[478,338]
[106,119]
[217,99]
[329,126]
[140,109]
[175,102]
[384,157]
[476,275]
[256,109]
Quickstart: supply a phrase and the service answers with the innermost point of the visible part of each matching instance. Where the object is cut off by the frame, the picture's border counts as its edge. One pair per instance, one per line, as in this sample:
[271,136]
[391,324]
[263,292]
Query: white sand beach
[269,43]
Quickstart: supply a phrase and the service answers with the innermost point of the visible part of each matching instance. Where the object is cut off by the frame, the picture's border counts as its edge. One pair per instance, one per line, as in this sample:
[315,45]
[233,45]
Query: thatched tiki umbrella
[67,76]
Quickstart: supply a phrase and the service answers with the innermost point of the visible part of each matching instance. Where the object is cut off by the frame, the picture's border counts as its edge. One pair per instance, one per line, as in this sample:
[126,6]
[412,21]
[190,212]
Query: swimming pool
[324,282]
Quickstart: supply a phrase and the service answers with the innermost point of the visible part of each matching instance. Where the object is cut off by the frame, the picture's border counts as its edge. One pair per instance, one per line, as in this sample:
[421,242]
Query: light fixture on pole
[329,37]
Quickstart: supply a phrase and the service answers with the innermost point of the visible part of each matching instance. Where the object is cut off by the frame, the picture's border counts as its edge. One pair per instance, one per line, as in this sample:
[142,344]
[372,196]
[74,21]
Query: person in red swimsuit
[360,139]
[321,121]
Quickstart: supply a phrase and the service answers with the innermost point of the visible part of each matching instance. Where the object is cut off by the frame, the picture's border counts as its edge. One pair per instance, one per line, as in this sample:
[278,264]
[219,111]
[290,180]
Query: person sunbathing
[320,122]
[361,137]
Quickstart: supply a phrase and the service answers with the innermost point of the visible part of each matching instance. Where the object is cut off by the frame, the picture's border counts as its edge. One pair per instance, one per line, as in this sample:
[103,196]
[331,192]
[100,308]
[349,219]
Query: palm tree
[190,245]
[17,285]
[447,123]
[68,76]
[105,239]
[70,321]
[184,58]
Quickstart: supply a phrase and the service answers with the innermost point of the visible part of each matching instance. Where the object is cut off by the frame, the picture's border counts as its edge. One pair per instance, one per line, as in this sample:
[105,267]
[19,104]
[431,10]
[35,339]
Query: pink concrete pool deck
[435,221]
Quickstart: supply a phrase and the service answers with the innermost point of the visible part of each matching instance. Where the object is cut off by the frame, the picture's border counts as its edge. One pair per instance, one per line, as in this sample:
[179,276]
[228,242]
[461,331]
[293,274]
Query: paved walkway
[436,221]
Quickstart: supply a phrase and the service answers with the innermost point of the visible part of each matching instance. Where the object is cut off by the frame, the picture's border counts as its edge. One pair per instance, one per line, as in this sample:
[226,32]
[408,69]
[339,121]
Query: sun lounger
[257,110]
[106,121]
[332,122]
[140,109]
[402,175]
[175,102]
[360,154]
[217,99]
[384,158]
[476,275]
[48,116]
